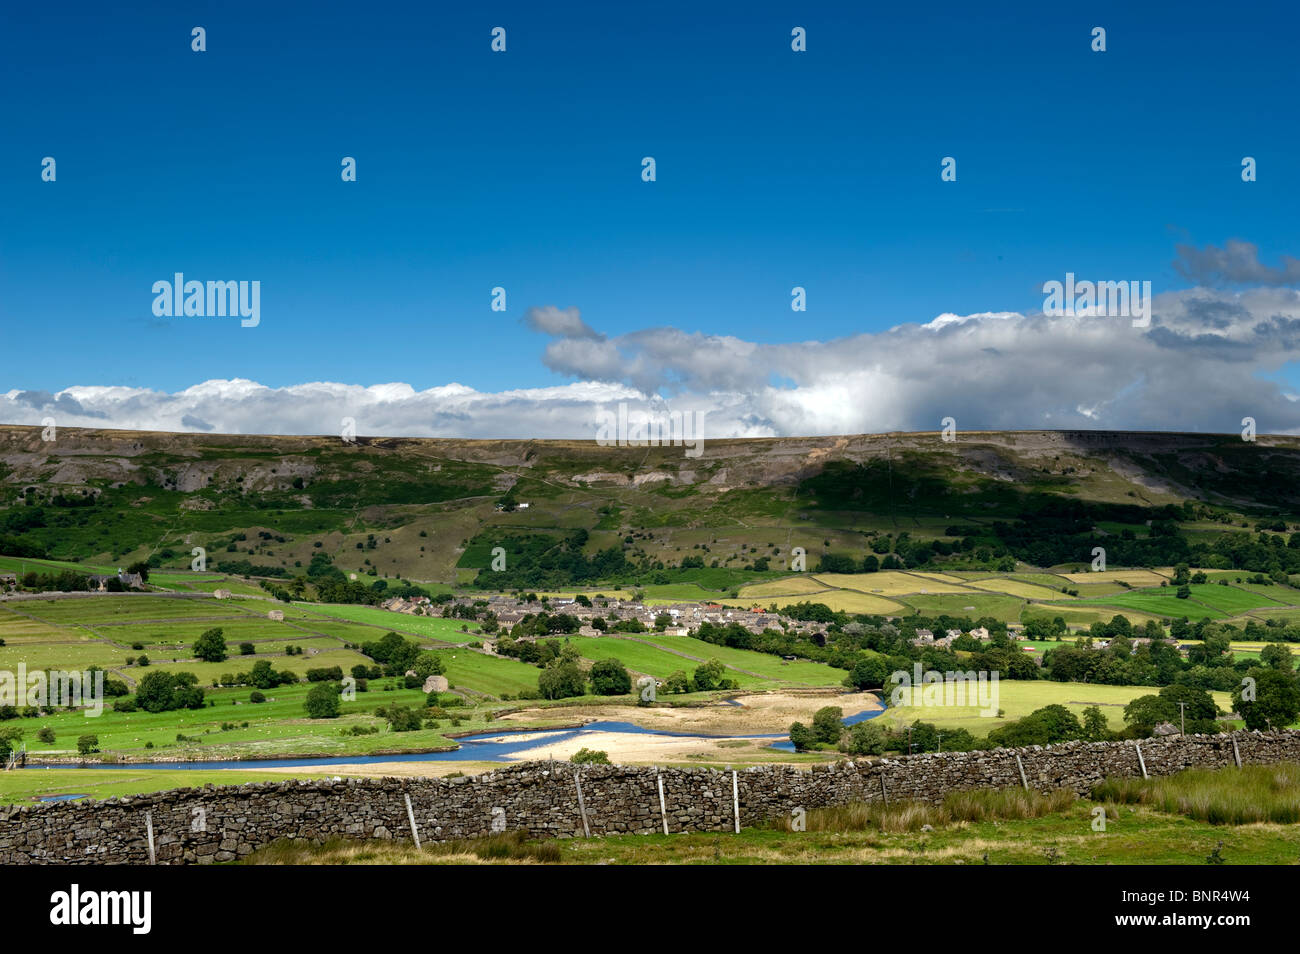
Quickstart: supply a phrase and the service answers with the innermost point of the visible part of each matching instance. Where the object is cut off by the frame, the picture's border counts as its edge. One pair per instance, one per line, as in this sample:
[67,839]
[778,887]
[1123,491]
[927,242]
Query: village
[678,619]
[681,617]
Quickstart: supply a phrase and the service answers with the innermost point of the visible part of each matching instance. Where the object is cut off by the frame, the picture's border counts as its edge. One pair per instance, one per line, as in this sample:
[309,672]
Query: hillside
[431,510]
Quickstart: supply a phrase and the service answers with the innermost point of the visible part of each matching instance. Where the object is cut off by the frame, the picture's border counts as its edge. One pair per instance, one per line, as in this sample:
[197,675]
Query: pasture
[847,601]
[1018,698]
[799,672]
[888,583]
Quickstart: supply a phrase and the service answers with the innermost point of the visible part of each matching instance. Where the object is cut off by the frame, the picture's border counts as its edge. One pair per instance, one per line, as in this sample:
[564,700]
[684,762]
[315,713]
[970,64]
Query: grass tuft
[956,808]
[1253,794]
[514,847]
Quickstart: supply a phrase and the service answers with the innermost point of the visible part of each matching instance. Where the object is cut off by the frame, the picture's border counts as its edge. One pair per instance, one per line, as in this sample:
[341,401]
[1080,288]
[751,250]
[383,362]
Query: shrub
[331,674]
[256,696]
[865,738]
[803,737]
[828,724]
[87,744]
[400,718]
[9,737]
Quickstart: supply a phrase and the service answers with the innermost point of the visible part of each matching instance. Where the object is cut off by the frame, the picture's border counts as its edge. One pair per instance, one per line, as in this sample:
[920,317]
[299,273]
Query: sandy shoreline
[741,727]
[757,714]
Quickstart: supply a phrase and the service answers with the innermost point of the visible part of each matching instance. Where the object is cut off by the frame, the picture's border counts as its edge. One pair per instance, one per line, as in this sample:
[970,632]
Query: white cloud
[1205,362]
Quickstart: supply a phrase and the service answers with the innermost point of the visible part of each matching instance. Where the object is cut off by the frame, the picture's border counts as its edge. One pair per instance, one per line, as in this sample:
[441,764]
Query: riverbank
[751,714]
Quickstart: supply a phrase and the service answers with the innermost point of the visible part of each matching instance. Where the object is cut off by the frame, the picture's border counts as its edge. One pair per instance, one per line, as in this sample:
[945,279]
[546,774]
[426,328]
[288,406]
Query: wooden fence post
[410,814]
[582,806]
[735,799]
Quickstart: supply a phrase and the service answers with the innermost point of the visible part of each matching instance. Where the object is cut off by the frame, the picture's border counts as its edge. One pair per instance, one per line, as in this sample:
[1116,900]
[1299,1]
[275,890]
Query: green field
[493,675]
[650,659]
[100,630]
[109,608]
[973,605]
[278,726]
[1206,600]
[761,664]
[437,628]
[1017,698]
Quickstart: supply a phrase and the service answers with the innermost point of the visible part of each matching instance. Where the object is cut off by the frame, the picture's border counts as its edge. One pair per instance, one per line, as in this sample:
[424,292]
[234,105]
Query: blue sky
[522,169]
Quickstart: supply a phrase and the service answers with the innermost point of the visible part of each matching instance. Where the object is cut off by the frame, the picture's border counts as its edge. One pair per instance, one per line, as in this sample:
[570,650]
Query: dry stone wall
[224,823]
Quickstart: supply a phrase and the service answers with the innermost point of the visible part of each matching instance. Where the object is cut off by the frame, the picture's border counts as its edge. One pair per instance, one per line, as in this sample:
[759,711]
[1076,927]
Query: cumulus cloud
[1209,358]
[560,322]
[240,406]
[1237,263]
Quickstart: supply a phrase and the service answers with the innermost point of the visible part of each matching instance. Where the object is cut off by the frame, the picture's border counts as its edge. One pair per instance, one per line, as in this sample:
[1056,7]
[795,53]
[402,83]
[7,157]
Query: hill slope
[431,510]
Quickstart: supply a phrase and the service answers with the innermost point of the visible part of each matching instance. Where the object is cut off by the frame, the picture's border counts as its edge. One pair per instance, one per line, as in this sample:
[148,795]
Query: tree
[162,691]
[1215,644]
[10,736]
[609,677]
[262,676]
[1198,711]
[803,737]
[1276,656]
[1054,723]
[211,646]
[46,735]
[709,675]
[87,744]
[828,724]
[866,738]
[323,701]
[677,682]
[868,673]
[428,664]
[561,679]
[395,653]
[1146,712]
[1277,700]
[1095,727]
